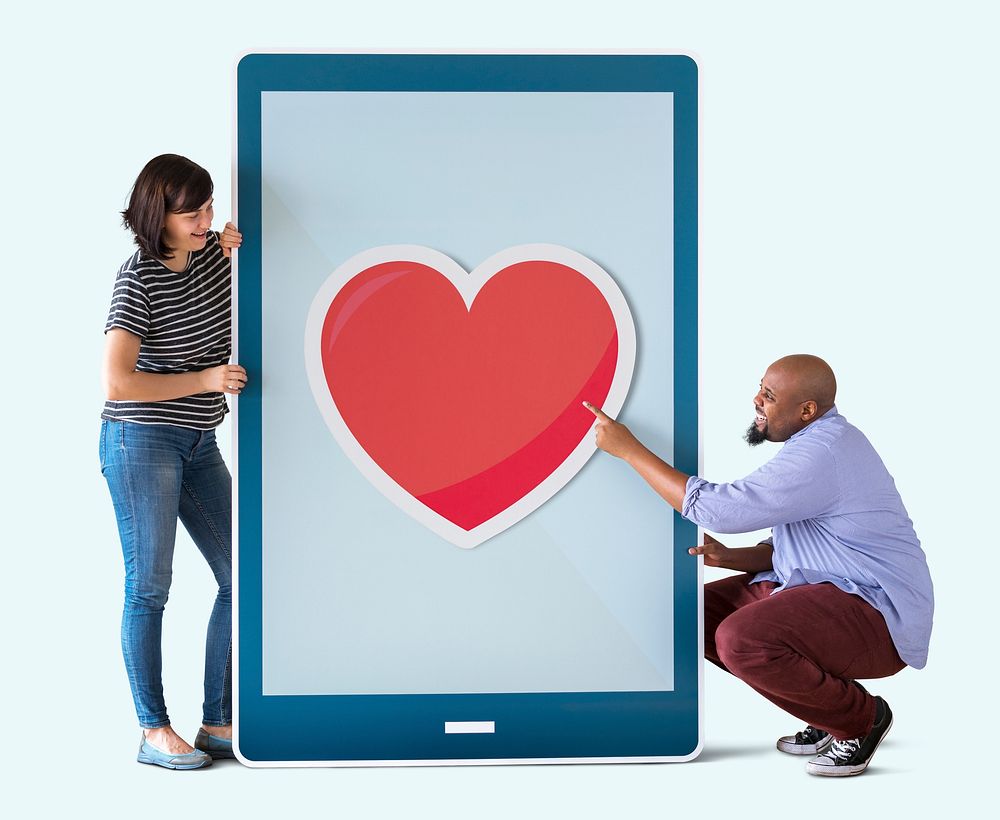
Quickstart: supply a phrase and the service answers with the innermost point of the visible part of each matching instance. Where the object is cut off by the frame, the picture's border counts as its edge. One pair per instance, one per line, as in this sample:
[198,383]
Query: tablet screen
[377,207]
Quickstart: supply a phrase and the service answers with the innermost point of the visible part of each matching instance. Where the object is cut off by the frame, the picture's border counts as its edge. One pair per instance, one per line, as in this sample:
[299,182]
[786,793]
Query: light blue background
[358,597]
[848,207]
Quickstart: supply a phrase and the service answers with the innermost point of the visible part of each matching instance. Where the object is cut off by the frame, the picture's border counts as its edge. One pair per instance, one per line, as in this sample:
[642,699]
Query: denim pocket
[102,447]
[112,440]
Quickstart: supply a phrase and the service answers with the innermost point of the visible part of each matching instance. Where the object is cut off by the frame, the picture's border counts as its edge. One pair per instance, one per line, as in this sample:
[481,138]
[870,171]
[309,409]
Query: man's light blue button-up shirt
[836,517]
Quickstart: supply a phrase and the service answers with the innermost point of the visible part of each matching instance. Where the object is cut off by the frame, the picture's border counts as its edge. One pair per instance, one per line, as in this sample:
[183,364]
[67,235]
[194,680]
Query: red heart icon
[459,394]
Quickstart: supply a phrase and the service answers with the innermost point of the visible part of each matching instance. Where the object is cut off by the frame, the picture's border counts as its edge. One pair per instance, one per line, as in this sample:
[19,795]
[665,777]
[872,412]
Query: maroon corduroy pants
[801,648]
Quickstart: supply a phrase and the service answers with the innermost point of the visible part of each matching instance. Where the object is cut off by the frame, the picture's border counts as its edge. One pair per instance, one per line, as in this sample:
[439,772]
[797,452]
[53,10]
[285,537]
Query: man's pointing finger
[601,415]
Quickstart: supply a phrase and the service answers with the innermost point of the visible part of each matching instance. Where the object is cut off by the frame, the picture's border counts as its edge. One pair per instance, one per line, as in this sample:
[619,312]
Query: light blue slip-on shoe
[217,747]
[148,753]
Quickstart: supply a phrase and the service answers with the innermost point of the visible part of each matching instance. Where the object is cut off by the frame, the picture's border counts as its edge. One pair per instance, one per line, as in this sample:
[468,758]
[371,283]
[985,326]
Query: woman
[168,343]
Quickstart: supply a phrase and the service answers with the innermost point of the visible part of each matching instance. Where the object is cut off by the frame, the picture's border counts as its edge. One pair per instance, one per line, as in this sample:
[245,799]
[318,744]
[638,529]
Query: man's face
[778,411]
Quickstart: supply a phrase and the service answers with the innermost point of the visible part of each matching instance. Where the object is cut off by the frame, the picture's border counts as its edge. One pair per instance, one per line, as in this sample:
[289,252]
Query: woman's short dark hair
[168,184]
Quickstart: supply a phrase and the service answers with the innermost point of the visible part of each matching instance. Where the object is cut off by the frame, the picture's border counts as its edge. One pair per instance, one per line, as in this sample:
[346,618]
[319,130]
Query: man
[840,590]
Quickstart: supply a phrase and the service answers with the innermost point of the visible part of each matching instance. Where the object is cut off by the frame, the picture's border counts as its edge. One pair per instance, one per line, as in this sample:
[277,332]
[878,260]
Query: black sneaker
[810,741]
[848,757]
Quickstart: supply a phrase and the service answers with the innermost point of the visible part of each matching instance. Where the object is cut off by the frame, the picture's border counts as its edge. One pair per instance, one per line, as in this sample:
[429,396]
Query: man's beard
[755,435]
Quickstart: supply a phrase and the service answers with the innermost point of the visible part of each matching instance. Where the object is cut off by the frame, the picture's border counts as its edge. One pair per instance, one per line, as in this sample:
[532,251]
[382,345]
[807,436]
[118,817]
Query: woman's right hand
[230,239]
[226,378]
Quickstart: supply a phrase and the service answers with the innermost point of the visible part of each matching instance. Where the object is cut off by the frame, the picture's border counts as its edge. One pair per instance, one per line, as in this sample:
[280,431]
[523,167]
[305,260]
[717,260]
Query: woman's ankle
[219,731]
[166,739]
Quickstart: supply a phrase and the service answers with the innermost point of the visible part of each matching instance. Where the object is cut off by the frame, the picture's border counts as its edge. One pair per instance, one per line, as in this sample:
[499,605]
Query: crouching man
[840,590]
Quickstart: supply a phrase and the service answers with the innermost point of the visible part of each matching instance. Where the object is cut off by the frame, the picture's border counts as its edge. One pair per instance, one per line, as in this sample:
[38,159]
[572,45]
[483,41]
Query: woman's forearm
[136,386]
[122,382]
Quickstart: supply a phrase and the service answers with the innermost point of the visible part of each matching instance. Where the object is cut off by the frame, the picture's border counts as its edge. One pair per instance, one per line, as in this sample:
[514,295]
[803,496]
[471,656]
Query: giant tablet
[444,255]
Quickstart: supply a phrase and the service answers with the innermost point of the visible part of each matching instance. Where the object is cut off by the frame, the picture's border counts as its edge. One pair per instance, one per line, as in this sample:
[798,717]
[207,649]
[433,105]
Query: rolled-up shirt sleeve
[799,483]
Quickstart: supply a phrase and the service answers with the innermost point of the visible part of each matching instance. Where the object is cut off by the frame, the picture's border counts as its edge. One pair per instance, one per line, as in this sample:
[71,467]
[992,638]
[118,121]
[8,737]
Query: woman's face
[188,230]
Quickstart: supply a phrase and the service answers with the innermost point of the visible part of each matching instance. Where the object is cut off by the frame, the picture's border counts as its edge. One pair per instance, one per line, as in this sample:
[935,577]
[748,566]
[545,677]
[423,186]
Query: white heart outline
[468,284]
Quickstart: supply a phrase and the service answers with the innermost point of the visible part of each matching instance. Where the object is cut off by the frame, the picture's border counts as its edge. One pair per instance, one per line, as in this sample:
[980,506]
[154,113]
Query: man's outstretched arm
[616,439]
[671,484]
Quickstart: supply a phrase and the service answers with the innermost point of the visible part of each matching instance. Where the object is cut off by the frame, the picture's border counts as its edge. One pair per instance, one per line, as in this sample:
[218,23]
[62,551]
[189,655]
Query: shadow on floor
[717,752]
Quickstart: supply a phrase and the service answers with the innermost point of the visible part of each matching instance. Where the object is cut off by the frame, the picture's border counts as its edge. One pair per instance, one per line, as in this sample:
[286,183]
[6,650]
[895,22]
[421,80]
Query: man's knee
[742,644]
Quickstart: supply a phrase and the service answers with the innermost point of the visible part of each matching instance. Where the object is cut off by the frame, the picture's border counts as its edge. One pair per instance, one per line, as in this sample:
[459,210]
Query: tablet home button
[469,727]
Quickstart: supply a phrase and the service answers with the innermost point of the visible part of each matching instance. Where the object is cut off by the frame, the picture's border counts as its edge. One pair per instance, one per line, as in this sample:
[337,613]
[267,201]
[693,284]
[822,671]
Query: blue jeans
[157,473]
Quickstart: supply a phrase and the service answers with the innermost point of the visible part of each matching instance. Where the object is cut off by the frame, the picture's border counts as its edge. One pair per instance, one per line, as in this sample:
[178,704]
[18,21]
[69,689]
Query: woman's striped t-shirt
[184,322]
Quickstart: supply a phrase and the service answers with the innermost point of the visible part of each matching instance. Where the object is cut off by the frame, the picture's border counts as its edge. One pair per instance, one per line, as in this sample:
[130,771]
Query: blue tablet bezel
[533,727]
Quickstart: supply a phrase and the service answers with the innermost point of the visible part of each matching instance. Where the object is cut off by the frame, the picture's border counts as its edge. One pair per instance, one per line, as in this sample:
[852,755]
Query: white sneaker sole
[846,771]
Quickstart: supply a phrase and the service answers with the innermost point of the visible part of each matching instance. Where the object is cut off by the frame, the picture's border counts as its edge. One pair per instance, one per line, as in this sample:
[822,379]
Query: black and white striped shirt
[184,322]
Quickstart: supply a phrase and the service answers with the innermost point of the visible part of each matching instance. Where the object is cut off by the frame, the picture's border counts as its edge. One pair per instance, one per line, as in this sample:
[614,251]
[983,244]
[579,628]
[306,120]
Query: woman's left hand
[229,239]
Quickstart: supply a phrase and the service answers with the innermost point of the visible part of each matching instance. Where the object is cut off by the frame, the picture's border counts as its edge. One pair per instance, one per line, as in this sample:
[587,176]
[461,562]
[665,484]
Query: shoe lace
[807,735]
[843,749]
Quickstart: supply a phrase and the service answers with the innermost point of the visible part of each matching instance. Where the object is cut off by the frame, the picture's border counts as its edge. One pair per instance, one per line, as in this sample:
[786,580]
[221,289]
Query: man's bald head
[795,391]
[810,378]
